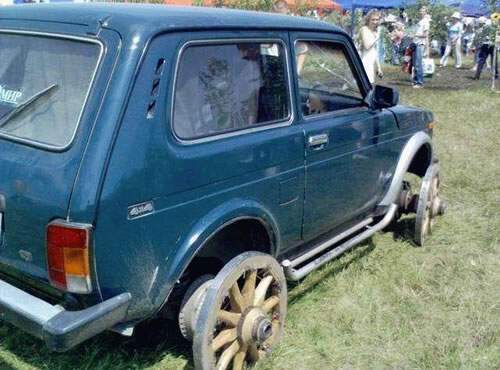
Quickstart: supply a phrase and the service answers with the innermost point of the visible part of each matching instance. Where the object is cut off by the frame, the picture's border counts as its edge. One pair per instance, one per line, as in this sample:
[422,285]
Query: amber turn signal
[68,256]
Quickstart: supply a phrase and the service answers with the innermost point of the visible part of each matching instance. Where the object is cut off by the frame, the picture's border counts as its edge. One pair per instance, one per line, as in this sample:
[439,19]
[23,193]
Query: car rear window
[44,82]
[230,86]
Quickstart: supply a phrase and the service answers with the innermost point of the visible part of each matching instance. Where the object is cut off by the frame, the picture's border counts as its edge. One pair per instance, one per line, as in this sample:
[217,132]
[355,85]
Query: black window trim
[287,121]
[66,146]
[345,48]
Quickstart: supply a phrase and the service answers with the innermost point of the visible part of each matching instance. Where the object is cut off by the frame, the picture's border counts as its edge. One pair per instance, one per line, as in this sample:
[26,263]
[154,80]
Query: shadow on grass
[451,86]
[444,79]
[152,342]
[402,230]
[301,288]
[5,366]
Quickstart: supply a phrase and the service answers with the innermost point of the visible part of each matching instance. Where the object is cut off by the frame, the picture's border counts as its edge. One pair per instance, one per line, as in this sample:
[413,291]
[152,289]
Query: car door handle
[317,141]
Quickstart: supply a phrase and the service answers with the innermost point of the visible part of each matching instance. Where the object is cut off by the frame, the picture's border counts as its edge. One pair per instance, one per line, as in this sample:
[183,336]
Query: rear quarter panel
[194,188]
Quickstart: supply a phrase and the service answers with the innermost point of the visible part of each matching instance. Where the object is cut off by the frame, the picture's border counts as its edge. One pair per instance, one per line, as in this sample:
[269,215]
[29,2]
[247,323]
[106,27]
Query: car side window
[327,80]
[226,87]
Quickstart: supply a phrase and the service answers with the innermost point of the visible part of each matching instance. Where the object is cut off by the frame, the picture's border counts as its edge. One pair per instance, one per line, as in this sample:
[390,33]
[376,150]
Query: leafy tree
[439,13]
[493,5]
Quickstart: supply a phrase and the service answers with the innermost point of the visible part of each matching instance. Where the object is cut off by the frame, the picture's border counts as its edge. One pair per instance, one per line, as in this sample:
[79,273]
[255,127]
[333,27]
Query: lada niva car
[185,162]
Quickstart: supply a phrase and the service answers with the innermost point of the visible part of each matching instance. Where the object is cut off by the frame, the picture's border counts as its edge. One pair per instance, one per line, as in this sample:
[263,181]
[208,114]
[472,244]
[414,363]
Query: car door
[345,141]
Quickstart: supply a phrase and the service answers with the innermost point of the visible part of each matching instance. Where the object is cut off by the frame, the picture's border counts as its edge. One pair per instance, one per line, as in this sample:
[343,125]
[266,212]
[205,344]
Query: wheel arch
[248,213]
[421,161]
[416,156]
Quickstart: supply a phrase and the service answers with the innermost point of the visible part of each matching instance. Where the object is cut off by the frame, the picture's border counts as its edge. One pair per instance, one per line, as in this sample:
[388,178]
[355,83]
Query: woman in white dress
[368,39]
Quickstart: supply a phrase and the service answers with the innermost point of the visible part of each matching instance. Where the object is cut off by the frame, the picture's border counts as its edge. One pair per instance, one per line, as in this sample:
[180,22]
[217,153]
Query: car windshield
[43,86]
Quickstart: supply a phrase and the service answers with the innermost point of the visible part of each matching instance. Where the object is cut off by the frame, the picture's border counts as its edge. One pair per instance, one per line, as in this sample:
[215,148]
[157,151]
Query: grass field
[387,304]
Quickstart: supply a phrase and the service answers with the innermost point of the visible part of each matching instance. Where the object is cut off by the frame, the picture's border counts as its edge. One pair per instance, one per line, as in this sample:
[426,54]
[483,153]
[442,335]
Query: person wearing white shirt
[454,42]
[421,40]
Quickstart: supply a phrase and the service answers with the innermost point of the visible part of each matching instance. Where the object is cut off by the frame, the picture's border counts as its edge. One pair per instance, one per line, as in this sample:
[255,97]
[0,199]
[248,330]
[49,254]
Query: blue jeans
[418,77]
[485,52]
[396,54]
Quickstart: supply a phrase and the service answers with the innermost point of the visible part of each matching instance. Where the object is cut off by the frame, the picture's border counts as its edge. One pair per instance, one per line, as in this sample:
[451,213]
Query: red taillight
[68,256]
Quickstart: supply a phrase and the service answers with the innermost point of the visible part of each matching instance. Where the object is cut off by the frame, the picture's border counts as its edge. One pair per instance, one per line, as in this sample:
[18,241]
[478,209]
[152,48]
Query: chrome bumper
[60,329]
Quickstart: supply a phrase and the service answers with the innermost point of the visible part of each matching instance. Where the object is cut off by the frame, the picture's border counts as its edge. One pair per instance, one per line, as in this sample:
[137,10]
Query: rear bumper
[60,329]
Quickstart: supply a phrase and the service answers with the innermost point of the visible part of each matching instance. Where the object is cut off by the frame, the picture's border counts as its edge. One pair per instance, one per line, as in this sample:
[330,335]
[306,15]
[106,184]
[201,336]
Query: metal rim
[428,204]
[242,315]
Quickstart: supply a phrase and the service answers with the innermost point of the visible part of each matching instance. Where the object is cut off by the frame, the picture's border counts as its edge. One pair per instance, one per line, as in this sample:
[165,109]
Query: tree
[439,13]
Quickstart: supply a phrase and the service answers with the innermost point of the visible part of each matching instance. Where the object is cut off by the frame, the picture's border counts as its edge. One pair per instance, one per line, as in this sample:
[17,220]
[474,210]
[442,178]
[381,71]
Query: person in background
[301,49]
[382,37]
[421,40]
[280,6]
[396,37]
[486,43]
[455,31]
[468,35]
[368,39]
[477,42]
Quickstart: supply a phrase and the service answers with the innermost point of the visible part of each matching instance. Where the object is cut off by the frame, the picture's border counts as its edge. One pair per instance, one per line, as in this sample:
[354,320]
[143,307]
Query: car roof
[152,19]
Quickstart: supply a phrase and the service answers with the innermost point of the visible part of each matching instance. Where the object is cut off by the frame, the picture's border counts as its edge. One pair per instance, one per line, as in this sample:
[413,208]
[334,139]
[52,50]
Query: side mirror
[382,97]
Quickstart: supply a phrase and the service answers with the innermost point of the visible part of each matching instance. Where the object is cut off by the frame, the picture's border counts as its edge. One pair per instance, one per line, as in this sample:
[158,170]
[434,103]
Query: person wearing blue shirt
[455,31]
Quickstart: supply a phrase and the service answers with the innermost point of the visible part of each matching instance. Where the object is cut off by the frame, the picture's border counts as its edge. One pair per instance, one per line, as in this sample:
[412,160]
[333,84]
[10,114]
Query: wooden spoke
[248,290]
[227,356]
[435,185]
[237,300]
[269,303]
[261,290]
[223,338]
[276,330]
[253,352]
[230,318]
[424,225]
[239,359]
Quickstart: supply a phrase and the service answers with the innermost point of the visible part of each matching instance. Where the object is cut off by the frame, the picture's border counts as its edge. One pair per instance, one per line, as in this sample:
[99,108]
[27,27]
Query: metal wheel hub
[254,326]
[438,206]
[263,330]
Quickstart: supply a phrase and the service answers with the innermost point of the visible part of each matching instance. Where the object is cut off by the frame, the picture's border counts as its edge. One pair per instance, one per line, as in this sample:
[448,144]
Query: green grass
[387,304]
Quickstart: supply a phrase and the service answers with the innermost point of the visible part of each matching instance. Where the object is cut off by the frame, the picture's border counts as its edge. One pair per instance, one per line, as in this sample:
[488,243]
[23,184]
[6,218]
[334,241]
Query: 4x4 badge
[139,210]
[25,255]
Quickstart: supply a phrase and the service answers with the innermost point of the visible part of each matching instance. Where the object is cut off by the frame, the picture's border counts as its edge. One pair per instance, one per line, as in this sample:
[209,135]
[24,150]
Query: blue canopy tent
[372,4]
[476,8]
[470,5]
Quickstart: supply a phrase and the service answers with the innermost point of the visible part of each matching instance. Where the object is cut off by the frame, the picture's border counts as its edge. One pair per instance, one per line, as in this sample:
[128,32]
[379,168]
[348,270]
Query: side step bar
[296,274]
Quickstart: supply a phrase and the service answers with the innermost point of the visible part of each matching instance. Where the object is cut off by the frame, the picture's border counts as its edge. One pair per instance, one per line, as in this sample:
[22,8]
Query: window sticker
[270,49]
[9,96]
